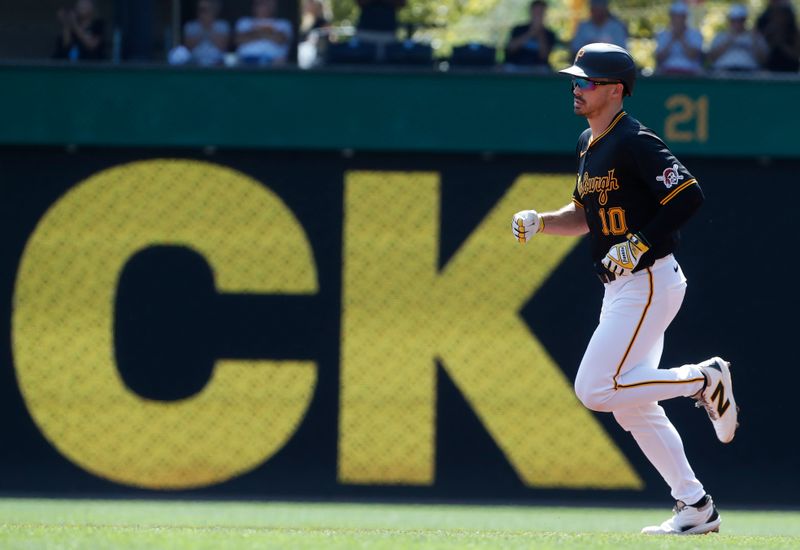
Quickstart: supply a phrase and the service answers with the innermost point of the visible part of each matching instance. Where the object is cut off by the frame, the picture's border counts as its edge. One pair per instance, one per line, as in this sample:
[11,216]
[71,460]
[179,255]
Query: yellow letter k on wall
[401,314]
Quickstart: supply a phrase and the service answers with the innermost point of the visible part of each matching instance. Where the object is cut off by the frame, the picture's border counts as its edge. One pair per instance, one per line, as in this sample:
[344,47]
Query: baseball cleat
[716,398]
[689,520]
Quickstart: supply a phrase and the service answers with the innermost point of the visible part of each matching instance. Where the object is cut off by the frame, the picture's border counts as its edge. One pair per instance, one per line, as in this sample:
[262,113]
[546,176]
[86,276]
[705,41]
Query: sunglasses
[589,85]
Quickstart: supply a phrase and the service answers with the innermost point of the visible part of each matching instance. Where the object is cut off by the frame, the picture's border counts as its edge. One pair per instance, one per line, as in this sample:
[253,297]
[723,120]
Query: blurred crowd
[262,38]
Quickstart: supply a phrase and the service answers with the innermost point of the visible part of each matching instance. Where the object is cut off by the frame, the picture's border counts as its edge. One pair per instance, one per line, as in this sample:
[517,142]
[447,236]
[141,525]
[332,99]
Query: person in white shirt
[738,49]
[602,26]
[679,48]
[263,39]
[207,37]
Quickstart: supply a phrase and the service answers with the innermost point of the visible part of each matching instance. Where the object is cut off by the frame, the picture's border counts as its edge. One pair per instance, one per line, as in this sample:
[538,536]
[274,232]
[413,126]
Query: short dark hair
[538,3]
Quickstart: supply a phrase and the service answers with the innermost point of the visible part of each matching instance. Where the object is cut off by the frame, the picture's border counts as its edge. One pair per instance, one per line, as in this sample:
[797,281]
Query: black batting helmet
[601,60]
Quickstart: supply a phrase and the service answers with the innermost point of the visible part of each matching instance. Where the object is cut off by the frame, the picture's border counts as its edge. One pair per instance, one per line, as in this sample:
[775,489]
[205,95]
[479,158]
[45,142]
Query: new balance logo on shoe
[719,397]
[716,398]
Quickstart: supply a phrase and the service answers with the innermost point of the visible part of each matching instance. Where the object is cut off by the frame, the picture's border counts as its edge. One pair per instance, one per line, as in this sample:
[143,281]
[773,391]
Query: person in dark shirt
[778,26]
[631,197]
[82,33]
[530,44]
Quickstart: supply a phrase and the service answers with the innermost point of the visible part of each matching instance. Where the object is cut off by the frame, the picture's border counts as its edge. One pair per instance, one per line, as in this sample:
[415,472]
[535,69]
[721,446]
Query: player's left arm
[673,214]
[677,191]
[678,194]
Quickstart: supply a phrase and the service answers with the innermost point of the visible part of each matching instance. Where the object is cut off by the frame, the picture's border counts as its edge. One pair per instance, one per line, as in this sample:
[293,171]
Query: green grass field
[170,525]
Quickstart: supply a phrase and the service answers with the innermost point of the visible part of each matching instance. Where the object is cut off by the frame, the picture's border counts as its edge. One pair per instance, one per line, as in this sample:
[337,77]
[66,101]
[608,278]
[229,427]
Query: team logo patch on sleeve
[670,177]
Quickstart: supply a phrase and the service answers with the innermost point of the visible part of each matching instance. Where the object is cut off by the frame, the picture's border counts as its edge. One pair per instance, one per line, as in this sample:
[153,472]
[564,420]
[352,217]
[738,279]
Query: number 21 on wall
[687,119]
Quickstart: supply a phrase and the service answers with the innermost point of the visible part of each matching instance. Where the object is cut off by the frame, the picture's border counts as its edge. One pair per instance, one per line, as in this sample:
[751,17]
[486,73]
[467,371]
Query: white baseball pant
[619,372]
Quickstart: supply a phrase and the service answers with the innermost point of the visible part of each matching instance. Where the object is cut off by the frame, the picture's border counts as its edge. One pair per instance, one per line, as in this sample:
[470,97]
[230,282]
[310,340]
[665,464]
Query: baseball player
[631,196]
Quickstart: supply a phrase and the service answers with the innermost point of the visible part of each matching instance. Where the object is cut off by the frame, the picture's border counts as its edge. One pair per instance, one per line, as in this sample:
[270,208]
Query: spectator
[602,26]
[530,44]
[737,49]
[82,33]
[207,38]
[314,27]
[263,39]
[314,18]
[679,48]
[778,26]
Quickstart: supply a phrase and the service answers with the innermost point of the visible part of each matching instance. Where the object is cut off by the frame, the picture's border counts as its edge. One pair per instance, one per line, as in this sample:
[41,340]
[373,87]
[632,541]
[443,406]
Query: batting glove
[623,257]
[526,224]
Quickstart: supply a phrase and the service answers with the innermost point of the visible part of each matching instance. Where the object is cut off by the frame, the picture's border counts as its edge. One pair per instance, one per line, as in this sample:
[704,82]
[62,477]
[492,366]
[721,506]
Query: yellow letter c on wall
[63,324]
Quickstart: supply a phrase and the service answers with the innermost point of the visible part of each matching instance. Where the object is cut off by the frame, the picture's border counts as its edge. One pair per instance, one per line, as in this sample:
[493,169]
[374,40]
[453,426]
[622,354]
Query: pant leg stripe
[639,326]
[660,382]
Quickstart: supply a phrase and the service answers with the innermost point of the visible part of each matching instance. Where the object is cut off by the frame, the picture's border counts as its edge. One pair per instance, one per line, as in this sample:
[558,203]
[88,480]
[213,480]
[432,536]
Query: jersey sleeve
[661,172]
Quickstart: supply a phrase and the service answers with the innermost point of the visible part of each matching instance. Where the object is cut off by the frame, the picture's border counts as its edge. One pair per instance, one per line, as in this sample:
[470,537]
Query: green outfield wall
[376,110]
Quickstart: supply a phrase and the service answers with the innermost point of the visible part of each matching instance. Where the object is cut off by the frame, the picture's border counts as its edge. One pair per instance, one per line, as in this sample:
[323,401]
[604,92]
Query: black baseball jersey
[626,175]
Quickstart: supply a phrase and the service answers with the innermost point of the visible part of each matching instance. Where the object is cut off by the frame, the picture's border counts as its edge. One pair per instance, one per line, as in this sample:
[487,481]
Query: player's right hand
[623,257]
[525,224]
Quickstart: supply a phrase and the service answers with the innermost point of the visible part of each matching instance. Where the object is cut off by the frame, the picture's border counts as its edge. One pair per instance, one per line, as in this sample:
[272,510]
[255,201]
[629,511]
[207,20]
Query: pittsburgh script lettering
[600,184]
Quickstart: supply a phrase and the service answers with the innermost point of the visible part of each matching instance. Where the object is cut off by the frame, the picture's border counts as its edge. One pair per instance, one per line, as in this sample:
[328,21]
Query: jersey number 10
[613,221]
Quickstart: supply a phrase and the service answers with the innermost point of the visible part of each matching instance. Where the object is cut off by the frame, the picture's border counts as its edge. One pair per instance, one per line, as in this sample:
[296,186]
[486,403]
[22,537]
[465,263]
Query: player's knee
[592,398]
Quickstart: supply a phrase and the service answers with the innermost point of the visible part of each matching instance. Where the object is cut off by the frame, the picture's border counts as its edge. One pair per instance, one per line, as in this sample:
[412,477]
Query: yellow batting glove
[623,257]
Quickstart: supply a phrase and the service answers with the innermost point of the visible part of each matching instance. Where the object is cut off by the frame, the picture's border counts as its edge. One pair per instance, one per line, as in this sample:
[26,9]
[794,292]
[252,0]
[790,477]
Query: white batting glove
[622,258]
[526,224]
